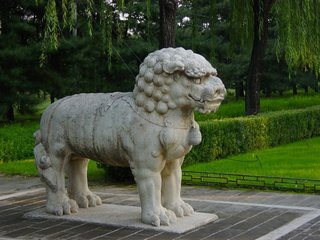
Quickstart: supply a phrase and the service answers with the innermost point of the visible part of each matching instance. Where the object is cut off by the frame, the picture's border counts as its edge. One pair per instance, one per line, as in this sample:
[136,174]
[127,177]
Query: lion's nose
[220,92]
[216,88]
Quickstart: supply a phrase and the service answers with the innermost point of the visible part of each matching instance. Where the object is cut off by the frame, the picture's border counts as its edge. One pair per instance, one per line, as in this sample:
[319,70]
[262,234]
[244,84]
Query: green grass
[232,108]
[28,168]
[298,160]
[16,140]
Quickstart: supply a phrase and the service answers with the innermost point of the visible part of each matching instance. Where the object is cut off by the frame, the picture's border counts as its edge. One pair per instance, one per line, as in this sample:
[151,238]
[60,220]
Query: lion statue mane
[150,130]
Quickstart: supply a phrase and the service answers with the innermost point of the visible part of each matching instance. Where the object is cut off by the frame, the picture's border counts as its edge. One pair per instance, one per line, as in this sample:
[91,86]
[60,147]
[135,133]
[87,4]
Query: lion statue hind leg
[76,168]
[48,166]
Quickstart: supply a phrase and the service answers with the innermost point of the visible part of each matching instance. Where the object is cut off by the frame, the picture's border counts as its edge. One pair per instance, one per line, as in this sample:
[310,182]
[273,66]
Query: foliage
[241,23]
[86,17]
[87,50]
[19,43]
[79,65]
[82,61]
[298,33]
[226,137]
[297,29]
[16,141]
[50,39]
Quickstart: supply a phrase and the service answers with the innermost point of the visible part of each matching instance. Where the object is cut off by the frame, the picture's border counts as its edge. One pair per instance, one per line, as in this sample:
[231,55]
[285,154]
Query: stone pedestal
[126,216]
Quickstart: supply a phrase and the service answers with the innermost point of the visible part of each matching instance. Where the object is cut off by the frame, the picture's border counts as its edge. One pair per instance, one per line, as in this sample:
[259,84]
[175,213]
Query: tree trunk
[51,98]
[10,113]
[261,11]
[268,91]
[294,88]
[239,90]
[168,10]
[280,93]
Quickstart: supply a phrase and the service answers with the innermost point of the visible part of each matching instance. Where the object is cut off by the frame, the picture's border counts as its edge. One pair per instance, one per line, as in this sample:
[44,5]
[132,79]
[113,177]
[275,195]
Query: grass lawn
[298,160]
[28,168]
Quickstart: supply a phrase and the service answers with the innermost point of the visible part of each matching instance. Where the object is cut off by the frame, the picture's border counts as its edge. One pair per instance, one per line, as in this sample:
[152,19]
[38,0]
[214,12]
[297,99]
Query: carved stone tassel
[194,136]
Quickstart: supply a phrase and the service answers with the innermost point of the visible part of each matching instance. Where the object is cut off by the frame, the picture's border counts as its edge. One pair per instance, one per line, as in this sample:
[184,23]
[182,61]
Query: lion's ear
[173,66]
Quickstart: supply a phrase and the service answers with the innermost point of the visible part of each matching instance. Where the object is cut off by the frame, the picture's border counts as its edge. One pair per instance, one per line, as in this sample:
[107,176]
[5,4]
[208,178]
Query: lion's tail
[43,162]
[37,137]
[40,154]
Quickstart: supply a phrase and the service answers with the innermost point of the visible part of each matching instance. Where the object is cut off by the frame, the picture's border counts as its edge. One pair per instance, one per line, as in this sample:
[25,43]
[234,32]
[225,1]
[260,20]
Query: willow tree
[298,37]
[62,14]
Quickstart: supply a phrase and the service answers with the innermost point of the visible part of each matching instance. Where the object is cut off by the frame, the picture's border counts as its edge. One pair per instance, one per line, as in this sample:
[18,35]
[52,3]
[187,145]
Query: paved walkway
[242,214]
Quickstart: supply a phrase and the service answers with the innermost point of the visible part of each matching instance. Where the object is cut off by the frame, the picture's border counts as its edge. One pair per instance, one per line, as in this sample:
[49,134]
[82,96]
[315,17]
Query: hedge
[221,138]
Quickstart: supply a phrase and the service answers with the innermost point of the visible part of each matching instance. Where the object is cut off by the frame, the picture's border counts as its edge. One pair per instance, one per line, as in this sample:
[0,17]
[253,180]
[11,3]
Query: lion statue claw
[150,130]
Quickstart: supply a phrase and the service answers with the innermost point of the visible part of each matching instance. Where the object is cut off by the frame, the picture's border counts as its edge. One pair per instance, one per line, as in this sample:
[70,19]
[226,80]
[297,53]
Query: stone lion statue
[150,130]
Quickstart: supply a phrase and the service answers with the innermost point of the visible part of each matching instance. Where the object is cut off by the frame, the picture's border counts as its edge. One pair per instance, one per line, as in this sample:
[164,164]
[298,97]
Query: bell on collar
[194,137]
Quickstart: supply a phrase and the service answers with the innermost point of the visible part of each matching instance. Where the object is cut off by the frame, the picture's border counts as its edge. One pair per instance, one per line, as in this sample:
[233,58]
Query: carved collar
[156,119]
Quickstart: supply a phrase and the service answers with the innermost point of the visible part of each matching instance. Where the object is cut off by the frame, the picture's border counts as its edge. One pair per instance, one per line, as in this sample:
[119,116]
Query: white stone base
[126,216]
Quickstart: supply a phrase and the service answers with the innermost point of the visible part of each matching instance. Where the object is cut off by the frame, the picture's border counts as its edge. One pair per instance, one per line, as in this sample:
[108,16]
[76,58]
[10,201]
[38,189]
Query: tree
[298,37]
[168,11]
[296,23]
[261,11]
[19,78]
[62,17]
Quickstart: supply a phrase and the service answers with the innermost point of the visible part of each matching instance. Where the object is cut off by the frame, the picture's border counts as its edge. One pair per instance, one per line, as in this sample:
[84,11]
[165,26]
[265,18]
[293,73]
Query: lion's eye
[197,81]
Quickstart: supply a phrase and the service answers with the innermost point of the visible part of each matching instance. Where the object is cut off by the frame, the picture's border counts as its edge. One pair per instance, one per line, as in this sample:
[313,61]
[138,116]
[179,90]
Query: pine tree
[18,57]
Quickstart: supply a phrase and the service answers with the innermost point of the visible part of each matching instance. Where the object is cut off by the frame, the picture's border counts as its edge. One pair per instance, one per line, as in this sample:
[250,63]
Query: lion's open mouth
[211,101]
[207,105]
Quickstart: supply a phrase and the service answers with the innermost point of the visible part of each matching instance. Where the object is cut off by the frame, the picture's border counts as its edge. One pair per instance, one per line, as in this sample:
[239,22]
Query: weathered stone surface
[150,130]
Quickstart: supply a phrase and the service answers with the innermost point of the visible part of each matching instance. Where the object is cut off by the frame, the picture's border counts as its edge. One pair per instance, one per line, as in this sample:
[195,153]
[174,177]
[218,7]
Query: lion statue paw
[162,217]
[180,208]
[64,207]
[87,200]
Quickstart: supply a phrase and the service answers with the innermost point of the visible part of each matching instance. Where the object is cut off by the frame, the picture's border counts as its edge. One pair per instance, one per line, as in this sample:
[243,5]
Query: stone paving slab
[13,184]
[242,214]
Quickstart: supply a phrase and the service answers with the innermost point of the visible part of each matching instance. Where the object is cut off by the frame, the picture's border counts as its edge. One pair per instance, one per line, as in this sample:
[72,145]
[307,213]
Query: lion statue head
[173,78]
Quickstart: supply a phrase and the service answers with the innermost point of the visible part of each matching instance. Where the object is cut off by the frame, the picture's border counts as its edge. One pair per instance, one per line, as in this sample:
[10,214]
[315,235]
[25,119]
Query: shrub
[16,141]
[238,135]
[289,126]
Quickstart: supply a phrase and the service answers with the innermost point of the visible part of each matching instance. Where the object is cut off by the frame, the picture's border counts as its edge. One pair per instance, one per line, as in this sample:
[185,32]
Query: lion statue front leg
[171,189]
[148,178]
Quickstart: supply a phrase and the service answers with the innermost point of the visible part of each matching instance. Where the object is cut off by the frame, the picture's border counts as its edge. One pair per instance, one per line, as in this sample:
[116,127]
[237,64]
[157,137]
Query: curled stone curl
[156,75]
